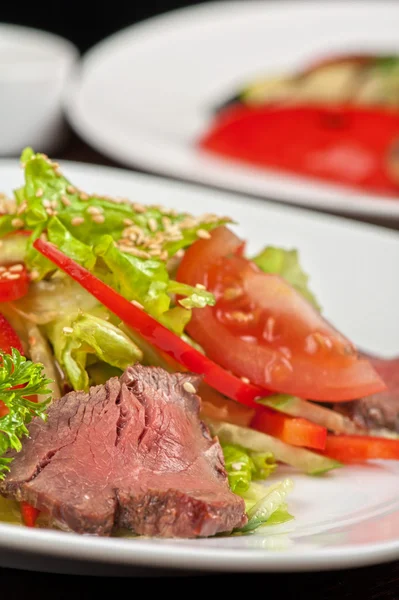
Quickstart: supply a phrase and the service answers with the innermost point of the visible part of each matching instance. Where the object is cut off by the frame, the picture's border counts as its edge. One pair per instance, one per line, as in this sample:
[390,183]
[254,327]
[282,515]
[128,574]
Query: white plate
[146,93]
[345,519]
[35,67]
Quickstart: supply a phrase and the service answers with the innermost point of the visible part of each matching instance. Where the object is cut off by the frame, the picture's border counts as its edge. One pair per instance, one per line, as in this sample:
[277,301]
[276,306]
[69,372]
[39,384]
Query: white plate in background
[347,518]
[145,94]
[35,68]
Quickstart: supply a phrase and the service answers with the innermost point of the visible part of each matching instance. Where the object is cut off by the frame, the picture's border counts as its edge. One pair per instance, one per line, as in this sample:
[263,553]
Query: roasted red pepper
[152,331]
[292,430]
[355,146]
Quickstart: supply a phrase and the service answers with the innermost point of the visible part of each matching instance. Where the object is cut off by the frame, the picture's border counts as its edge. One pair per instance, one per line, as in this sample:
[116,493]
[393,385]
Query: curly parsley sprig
[19,379]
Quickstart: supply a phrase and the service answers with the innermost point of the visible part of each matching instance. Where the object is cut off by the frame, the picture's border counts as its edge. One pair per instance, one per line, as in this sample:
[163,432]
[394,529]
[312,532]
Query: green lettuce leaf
[76,338]
[272,500]
[243,466]
[285,263]
[80,252]
[239,467]
[194,297]
[88,217]
[263,505]
[129,246]
[147,281]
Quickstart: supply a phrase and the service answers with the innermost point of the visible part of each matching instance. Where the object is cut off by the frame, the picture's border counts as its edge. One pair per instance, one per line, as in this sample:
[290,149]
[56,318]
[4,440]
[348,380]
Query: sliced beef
[379,411]
[132,453]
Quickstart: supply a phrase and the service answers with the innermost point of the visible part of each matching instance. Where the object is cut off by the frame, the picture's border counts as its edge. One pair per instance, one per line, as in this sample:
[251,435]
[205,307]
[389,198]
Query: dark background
[84,23]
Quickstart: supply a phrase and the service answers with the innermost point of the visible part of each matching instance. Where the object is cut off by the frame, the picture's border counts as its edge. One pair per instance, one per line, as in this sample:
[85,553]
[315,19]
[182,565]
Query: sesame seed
[54,204]
[139,253]
[34,275]
[164,255]
[139,208]
[83,196]
[188,223]
[55,165]
[22,208]
[11,276]
[65,201]
[67,330]
[152,224]
[43,237]
[137,304]
[179,253]
[236,466]
[94,210]
[16,268]
[189,387]
[140,239]
[58,172]
[200,286]
[166,222]
[50,212]
[77,221]
[203,234]
[17,223]
[154,252]
[127,222]
[2,269]
[245,379]
[98,219]
[46,203]
[71,190]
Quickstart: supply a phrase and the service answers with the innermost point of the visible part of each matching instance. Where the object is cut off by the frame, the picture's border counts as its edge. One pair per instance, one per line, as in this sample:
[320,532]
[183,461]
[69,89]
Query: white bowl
[35,68]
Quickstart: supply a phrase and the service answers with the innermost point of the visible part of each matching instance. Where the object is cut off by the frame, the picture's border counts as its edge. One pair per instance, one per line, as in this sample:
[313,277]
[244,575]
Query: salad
[91,285]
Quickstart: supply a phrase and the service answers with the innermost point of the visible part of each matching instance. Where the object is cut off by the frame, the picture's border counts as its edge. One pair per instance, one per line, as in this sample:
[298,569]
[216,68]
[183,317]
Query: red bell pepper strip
[292,430]
[358,448]
[14,282]
[152,331]
[356,146]
[29,514]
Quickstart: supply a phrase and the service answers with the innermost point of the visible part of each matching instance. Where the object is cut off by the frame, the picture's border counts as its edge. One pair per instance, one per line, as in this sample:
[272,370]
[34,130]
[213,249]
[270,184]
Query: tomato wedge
[340,144]
[14,282]
[358,448]
[264,330]
[292,430]
[152,331]
[8,337]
